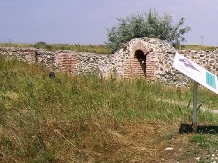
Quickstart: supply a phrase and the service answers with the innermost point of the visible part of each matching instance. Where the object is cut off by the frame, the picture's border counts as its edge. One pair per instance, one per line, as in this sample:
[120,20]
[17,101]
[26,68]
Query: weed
[89,119]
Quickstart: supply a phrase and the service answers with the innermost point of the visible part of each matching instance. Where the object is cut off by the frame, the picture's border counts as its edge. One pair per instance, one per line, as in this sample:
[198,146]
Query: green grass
[89,119]
[98,49]
[197,47]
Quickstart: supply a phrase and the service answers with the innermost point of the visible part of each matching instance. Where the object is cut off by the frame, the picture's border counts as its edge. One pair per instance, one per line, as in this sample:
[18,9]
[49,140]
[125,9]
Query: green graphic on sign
[210,80]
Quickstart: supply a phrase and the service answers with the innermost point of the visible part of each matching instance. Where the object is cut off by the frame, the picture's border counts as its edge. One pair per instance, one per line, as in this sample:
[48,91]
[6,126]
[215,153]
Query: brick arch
[141,60]
[138,54]
[139,45]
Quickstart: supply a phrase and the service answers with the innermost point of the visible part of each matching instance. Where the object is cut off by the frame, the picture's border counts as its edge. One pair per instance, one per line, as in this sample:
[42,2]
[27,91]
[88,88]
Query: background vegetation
[150,25]
[98,49]
[88,119]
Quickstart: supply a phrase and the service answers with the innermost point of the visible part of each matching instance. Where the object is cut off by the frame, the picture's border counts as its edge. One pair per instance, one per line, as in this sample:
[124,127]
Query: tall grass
[82,118]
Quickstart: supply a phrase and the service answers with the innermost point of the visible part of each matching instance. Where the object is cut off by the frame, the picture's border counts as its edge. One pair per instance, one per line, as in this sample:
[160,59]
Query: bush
[146,25]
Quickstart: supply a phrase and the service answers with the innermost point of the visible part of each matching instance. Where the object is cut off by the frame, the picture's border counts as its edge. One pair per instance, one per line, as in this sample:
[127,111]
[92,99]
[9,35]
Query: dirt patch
[138,142]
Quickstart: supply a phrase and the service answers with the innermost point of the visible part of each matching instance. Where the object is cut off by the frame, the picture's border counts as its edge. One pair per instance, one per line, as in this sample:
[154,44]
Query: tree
[146,25]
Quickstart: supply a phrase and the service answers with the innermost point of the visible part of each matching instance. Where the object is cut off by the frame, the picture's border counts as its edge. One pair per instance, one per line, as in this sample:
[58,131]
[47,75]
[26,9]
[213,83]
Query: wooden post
[194,123]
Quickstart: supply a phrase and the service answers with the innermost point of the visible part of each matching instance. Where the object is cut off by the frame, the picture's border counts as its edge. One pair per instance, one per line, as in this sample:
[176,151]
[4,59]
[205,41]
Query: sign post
[194,123]
[199,75]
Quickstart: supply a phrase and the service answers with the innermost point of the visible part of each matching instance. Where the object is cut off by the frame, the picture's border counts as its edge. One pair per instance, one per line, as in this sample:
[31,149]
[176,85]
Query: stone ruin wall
[64,60]
[206,59]
[123,63]
[160,56]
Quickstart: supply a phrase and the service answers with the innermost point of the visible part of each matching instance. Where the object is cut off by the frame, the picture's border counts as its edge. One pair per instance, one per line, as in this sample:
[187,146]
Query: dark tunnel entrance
[141,57]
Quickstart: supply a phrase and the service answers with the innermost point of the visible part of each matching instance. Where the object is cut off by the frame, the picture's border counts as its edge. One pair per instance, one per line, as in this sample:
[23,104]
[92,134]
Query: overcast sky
[85,21]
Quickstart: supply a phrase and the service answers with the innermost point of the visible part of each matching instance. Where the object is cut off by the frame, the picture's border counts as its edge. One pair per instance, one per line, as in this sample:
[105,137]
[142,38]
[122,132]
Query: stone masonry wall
[164,70]
[148,58]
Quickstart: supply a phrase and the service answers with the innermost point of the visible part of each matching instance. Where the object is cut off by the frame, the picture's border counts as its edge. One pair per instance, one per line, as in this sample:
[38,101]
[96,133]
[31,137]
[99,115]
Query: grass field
[84,119]
[98,49]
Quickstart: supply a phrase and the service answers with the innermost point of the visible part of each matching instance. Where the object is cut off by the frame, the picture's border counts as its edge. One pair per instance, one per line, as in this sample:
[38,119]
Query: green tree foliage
[146,25]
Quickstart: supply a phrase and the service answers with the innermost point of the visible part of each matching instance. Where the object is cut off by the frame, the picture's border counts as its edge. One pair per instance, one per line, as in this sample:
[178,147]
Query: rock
[168,149]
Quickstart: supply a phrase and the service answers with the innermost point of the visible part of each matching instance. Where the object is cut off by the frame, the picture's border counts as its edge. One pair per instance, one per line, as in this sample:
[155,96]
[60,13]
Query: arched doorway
[141,57]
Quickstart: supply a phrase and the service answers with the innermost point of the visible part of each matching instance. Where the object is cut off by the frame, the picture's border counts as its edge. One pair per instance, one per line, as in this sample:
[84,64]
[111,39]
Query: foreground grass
[87,119]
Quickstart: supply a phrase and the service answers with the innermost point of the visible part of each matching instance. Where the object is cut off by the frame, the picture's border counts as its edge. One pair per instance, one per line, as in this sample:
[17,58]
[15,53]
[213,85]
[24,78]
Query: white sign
[196,72]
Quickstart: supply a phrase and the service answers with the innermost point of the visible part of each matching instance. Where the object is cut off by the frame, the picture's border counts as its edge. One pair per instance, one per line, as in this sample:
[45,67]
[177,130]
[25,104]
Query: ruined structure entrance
[141,58]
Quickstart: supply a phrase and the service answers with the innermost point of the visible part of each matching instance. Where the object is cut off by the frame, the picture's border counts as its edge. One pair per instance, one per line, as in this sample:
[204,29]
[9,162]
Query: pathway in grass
[212,110]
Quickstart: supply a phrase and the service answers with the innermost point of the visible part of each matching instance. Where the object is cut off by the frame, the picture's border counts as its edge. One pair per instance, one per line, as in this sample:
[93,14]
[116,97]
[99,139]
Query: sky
[86,21]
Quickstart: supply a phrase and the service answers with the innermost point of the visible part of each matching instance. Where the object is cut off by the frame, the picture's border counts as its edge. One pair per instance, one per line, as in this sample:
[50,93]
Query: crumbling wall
[155,65]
